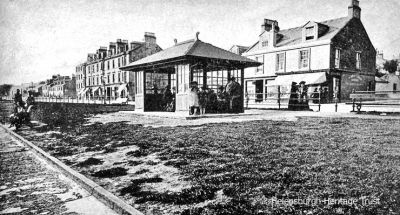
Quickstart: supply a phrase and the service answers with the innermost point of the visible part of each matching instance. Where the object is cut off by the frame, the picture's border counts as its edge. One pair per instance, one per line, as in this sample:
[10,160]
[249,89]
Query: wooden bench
[366,98]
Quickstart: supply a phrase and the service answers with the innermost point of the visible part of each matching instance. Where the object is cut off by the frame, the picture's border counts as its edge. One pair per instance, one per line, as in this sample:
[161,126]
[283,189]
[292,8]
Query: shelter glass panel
[155,82]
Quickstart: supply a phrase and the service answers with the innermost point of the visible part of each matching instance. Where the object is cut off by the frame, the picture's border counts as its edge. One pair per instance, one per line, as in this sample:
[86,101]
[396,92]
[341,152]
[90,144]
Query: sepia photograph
[199,107]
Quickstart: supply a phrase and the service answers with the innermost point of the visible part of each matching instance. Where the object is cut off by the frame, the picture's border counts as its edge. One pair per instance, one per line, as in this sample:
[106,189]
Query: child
[194,99]
[203,100]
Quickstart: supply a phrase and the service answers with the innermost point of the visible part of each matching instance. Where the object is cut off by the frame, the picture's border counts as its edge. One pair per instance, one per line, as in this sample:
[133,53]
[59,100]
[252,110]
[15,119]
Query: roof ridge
[191,48]
[320,22]
[184,42]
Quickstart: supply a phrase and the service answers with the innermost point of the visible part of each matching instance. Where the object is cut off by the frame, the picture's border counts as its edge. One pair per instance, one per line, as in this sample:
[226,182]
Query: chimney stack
[354,9]
[272,27]
[149,38]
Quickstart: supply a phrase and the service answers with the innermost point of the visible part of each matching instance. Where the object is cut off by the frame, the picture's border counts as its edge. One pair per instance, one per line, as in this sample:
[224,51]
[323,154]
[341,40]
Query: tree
[390,66]
[5,89]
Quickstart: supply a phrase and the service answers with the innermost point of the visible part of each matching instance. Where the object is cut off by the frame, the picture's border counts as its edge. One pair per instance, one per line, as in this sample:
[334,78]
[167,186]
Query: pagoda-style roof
[189,50]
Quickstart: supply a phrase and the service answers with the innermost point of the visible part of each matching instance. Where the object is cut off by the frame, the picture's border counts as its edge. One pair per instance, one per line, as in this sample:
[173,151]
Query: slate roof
[293,36]
[191,48]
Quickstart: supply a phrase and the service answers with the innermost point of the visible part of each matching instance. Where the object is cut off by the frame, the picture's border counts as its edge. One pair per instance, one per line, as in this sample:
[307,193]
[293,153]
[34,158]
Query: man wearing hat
[303,96]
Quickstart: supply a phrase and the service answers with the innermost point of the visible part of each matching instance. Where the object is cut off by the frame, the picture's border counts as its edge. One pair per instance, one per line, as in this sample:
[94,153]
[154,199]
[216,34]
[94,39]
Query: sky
[40,38]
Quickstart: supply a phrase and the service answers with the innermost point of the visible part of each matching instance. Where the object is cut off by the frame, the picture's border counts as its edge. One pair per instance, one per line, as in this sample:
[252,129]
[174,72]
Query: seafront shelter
[176,67]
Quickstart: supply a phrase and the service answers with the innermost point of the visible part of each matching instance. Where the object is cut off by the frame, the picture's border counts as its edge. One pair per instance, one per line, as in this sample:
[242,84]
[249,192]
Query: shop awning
[309,78]
[121,87]
[94,89]
[83,91]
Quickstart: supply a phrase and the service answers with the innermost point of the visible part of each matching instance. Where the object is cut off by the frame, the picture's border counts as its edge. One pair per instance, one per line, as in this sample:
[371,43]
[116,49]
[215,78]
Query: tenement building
[100,78]
[335,56]
[60,86]
[80,74]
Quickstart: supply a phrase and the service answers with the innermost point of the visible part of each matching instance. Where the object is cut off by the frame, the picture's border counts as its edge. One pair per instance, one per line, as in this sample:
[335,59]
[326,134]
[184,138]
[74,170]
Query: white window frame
[260,69]
[358,60]
[338,53]
[280,66]
[264,43]
[302,61]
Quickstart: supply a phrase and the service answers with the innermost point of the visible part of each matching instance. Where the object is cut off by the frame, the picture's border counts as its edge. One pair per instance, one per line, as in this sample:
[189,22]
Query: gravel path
[28,185]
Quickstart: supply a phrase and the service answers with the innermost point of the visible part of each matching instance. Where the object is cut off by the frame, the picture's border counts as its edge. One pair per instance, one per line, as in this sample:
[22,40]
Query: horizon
[43,37]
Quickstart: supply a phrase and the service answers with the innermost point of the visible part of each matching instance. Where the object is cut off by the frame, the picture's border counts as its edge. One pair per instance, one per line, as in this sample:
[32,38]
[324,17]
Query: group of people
[168,99]
[205,100]
[21,108]
[298,99]
[320,96]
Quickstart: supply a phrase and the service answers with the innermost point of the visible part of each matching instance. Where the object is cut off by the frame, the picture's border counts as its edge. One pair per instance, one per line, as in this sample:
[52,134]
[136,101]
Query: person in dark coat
[234,90]
[212,101]
[203,100]
[167,97]
[293,98]
[315,96]
[18,102]
[222,98]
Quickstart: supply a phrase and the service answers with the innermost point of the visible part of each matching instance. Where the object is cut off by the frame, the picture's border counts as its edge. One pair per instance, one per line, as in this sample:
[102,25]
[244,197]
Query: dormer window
[310,33]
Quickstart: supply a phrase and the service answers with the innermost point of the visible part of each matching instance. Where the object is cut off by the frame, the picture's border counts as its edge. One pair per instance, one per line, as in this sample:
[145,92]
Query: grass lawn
[241,168]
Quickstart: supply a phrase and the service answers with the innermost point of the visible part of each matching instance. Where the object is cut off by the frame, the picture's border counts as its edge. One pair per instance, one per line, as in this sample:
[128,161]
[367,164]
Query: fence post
[279,97]
[354,101]
[336,102]
[319,99]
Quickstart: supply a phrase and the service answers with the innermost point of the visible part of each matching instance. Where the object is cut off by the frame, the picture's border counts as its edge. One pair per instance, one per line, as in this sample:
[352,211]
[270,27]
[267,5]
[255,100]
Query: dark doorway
[259,90]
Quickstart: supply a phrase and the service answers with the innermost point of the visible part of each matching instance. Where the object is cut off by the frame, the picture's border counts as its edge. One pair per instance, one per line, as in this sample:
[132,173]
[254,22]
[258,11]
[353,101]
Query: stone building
[335,54]
[80,74]
[62,86]
[101,78]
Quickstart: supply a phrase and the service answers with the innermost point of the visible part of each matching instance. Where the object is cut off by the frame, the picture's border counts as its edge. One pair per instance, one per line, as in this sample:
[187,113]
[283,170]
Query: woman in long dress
[293,98]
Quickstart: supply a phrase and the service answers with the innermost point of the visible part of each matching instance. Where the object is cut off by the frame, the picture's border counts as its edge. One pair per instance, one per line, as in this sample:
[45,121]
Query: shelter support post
[243,88]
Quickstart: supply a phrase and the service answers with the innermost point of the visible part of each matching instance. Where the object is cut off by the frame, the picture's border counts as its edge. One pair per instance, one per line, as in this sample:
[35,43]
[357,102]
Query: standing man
[18,101]
[18,97]
[303,96]
[234,91]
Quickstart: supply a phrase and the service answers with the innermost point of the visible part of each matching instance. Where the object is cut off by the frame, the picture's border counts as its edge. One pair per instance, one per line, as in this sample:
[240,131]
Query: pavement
[29,185]
[166,119]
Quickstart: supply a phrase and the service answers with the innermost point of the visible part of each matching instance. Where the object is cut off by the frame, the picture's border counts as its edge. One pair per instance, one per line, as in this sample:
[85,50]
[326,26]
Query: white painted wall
[319,59]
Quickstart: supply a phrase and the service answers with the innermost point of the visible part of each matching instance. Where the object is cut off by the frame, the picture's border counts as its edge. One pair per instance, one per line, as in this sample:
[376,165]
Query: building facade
[334,55]
[100,76]
[80,74]
[62,86]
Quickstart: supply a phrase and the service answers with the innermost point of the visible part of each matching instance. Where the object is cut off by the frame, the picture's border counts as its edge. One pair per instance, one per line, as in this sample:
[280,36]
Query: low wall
[6,109]
[64,114]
